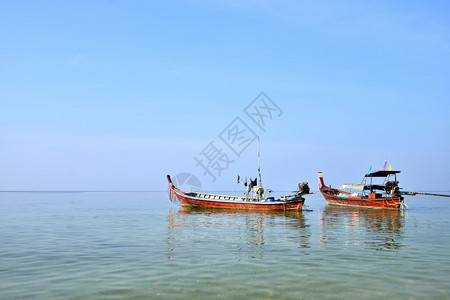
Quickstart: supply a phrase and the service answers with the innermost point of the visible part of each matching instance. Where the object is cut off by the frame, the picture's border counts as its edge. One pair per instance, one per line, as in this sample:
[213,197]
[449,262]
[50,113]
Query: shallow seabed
[81,245]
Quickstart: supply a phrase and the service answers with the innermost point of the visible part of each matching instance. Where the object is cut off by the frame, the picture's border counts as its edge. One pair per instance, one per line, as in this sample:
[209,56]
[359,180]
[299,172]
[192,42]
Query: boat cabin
[375,185]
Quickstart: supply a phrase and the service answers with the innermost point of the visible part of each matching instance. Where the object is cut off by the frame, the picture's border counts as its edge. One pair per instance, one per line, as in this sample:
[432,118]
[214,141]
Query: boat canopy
[357,187]
[381,173]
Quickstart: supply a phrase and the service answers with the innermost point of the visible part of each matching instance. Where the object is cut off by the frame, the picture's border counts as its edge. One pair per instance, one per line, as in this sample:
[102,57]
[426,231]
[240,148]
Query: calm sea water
[97,245]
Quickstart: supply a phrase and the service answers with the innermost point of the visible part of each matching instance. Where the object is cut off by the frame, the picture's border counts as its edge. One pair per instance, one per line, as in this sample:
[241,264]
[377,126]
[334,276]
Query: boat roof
[381,173]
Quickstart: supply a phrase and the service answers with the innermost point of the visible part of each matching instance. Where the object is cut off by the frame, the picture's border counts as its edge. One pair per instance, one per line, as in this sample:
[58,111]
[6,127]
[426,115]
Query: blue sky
[114,95]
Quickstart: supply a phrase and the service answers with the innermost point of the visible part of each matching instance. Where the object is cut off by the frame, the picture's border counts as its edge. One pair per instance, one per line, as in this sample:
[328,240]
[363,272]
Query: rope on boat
[171,194]
[403,206]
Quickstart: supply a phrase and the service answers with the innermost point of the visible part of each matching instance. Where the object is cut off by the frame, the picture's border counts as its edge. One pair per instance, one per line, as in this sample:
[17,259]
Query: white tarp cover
[358,187]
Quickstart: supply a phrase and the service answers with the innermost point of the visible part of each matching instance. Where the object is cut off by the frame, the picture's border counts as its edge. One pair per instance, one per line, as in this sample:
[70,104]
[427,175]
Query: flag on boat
[385,163]
[390,168]
[370,170]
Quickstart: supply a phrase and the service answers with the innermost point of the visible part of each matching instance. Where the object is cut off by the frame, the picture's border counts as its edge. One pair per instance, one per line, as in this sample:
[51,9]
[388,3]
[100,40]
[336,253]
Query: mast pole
[259,152]
[259,147]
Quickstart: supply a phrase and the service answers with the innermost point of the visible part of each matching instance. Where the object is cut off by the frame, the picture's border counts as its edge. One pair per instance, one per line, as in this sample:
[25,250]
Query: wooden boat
[367,194]
[257,202]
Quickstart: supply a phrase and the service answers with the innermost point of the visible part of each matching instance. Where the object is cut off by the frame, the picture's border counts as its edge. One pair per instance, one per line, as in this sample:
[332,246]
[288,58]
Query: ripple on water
[118,245]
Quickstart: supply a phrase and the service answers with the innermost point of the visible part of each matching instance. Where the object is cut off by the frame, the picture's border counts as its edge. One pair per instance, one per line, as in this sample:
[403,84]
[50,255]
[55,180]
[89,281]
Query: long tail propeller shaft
[420,193]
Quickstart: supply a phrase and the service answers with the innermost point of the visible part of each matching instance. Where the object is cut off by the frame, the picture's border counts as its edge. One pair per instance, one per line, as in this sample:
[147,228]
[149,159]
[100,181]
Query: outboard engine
[303,188]
[392,188]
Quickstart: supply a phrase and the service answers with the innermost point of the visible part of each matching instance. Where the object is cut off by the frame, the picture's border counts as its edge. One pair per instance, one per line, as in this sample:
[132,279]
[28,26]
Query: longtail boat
[260,200]
[367,194]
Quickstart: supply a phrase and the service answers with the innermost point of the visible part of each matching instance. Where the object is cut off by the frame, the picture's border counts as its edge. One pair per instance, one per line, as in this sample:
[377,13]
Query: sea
[139,245]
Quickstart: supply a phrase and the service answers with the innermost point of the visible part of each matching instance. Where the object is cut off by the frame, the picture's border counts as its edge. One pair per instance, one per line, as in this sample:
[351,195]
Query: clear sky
[114,95]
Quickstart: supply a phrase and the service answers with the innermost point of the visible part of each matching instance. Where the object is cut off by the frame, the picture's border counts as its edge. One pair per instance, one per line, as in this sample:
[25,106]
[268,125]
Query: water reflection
[376,229]
[236,232]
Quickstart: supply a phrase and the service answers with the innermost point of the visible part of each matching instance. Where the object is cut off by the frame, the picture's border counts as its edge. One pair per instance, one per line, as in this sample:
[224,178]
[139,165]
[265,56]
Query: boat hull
[192,201]
[389,203]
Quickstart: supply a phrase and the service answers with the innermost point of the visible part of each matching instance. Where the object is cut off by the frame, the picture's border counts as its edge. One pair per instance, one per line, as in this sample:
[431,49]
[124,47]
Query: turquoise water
[97,245]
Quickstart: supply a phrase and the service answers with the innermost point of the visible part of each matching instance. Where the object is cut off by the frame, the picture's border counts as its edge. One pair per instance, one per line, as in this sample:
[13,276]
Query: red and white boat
[257,202]
[367,194]
[260,200]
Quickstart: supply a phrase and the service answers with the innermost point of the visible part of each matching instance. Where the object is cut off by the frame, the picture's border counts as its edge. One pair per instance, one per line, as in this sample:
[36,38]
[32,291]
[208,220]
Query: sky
[114,95]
